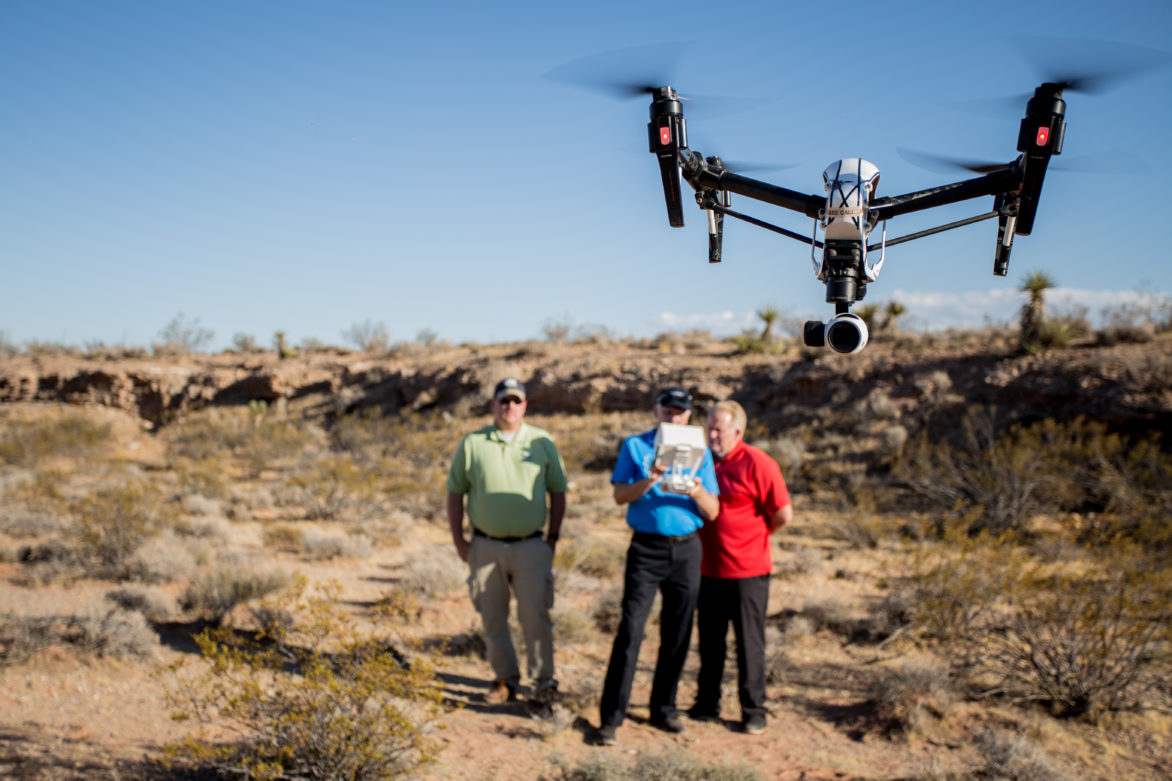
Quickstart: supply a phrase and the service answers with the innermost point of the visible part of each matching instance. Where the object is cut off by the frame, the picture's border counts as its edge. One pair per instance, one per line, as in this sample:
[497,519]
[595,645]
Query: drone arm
[1001,181]
[701,177]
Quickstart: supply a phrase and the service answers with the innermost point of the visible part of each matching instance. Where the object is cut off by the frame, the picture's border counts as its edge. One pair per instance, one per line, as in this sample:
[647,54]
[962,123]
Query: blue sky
[306,166]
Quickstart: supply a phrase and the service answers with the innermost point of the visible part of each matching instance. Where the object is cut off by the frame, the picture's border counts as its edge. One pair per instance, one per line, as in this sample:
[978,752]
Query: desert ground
[332,468]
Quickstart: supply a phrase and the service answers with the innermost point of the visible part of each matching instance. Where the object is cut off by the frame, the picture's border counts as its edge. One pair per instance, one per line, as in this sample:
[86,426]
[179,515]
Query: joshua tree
[1033,312]
[893,311]
[769,315]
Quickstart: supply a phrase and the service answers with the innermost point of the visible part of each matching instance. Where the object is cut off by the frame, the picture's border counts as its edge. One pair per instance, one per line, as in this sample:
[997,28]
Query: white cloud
[934,310]
[717,322]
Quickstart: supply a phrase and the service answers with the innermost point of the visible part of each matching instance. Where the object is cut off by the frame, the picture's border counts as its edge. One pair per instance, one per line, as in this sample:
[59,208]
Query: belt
[478,533]
[670,540]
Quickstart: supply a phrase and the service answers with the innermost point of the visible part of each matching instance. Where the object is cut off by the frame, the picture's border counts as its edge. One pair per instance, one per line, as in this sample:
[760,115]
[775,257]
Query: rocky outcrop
[1126,384]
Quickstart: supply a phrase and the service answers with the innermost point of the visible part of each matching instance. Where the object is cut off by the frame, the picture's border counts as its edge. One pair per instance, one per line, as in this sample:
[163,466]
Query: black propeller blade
[638,71]
[1088,66]
[933,162]
[1118,162]
[622,74]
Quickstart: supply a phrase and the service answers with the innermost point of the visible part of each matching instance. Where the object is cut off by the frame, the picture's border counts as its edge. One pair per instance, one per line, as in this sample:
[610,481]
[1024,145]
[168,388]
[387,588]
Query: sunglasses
[507,400]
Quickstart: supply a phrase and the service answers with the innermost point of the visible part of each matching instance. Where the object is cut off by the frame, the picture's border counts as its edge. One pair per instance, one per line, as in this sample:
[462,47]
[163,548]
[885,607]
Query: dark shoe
[755,725]
[546,695]
[703,714]
[606,736]
[670,724]
[500,693]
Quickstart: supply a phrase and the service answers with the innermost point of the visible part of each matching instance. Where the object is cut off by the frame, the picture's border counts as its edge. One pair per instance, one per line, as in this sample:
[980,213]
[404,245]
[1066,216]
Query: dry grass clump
[166,557]
[315,544]
[214,595]
[671,765]
[590,555]
[155,605]
[1010,756]
[572,626]
[436,572]
[104,630]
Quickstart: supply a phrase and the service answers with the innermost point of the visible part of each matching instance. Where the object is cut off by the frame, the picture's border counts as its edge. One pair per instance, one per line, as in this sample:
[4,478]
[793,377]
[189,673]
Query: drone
[847,259]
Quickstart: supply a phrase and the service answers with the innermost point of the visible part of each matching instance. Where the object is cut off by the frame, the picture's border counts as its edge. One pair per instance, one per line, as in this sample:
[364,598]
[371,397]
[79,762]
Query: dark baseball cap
[509,387]
[674,396]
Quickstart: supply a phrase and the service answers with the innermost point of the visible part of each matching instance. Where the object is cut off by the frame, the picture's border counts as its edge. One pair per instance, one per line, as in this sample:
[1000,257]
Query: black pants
[742,601]
[653,564]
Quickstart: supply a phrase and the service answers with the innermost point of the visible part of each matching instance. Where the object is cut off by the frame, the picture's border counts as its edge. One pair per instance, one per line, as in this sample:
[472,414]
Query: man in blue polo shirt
[664,556]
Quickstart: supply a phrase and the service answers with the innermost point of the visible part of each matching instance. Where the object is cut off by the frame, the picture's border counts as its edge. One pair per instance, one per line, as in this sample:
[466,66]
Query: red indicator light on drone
[1043,136]
[665,135]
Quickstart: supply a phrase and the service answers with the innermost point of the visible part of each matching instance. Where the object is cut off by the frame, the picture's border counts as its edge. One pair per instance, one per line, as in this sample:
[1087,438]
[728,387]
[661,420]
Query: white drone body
[850,184]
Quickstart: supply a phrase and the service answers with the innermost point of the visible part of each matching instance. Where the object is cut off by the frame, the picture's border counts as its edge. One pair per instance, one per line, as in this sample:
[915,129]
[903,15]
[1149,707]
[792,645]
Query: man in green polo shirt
[506,470]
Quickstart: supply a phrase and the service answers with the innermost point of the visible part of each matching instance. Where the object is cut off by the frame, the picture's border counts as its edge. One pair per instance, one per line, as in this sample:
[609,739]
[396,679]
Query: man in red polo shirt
[736,566]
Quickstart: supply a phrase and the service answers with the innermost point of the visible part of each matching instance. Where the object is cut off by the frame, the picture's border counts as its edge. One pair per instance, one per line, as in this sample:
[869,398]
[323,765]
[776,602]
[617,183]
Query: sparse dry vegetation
[958,573]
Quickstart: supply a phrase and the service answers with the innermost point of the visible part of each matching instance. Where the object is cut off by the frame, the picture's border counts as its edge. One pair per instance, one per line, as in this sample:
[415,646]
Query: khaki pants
[527,567]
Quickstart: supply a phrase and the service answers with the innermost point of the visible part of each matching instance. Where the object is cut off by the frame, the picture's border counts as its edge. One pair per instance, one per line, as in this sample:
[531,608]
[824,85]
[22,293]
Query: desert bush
[310,698]
[608,610]
[182,336]
[1010,756]
[571,626]
[670,765]
[270,441]
[957,591]
[74,435]
[214,595]
[284,536]
[409,454]
[106,630]
[1084,645]
[206,436]
[996,481]
[332,485]
[202,477]
[113,631]
[153,603]
[350,546]
[368,337]
[1087,640]
[908,694]
[778,665]
[113,522]
[21,637]
[592,556]
[163,558]
[436,572]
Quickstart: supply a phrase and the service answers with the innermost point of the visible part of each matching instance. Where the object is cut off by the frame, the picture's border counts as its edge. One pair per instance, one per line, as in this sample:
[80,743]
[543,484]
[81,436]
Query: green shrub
[311,698]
